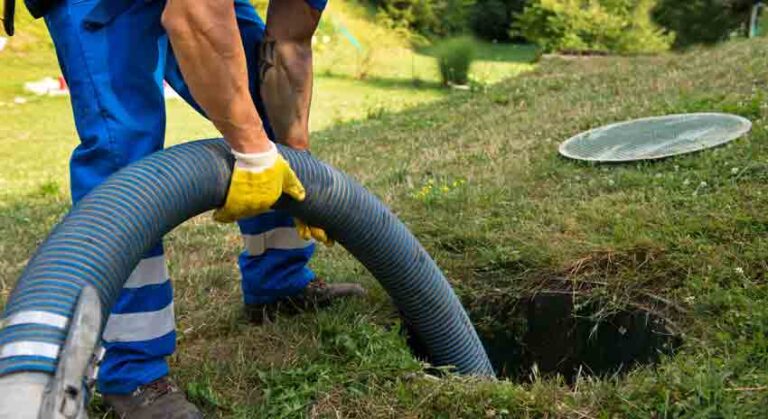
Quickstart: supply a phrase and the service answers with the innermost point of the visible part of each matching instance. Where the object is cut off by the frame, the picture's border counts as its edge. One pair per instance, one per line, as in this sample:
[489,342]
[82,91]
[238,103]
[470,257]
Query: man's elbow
[175,18]
[183,16]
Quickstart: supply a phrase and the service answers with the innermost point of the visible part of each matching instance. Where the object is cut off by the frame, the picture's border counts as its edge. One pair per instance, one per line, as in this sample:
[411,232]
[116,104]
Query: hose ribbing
[105,235]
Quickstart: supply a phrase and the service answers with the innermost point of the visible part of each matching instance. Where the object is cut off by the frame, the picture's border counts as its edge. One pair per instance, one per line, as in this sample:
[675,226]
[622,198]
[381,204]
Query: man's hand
[207,45]
[308,232]
[258,180]
[285,73]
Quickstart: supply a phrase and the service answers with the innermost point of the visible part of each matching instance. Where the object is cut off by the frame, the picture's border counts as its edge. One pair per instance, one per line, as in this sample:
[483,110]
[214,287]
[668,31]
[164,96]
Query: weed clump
[454,57]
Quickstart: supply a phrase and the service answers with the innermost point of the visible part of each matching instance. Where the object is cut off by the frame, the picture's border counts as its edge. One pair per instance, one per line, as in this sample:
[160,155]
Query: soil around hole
[547,332]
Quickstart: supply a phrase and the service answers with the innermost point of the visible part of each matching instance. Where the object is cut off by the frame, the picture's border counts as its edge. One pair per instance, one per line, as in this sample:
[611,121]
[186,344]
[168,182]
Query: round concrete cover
[655,138]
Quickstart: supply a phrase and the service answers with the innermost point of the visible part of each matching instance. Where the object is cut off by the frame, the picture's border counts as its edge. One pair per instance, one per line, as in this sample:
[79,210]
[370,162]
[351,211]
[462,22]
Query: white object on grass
[655,137]
[47,86]
[169,93]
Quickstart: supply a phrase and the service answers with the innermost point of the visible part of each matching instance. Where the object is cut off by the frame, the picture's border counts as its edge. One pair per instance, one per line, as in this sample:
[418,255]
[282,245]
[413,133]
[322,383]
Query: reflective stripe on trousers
[115,74]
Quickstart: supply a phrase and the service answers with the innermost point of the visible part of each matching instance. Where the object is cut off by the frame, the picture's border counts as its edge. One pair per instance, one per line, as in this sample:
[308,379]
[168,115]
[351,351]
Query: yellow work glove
[258,180]
[308,232]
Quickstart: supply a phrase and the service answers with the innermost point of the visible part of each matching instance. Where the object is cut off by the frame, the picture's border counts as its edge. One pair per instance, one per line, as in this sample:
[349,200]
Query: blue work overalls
[115,55]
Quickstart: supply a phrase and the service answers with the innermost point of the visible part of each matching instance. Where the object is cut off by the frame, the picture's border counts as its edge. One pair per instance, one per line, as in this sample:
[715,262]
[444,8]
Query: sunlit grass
[398,79]
[477,178]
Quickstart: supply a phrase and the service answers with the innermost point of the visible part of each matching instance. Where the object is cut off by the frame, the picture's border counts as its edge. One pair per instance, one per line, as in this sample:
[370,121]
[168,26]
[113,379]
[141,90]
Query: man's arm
[206,42]
[286,69]
[286,79]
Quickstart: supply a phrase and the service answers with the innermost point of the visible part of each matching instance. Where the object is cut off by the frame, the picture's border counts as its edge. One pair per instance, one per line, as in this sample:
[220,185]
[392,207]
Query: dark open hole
[548,331]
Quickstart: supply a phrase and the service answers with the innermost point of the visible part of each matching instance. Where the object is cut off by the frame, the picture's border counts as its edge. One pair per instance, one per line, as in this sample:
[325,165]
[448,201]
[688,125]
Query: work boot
[160,399]
[317,294]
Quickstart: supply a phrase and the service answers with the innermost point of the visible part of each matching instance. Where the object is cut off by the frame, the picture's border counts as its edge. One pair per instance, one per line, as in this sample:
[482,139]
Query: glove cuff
[256,162]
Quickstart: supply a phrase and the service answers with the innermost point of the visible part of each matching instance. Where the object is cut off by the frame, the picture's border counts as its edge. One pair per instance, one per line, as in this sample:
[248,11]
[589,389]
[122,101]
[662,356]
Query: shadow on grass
[505,53]
[390,83]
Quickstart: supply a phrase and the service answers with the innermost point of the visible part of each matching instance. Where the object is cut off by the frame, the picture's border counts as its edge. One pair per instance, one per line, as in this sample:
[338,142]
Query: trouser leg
[119,113]
[274,263]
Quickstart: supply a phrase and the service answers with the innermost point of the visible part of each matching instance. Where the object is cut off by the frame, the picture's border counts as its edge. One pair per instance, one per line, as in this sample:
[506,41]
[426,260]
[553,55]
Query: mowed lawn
[477,178]
[396,78]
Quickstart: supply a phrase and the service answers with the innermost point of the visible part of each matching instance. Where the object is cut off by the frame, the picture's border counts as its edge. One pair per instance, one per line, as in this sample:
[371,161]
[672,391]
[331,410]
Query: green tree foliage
[702,21]
[488,19]
[430,18]
[491,19]
[615,26]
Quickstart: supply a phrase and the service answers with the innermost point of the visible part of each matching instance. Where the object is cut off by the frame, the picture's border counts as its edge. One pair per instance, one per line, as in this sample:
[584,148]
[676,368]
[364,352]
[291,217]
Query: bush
[429,18]
[617,26]
[702,21]
[491,19]
[761,28]
[488,19]
[454,57]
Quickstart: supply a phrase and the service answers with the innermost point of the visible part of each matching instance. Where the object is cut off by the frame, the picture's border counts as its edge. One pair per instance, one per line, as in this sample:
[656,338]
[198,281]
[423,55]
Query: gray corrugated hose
[103,238]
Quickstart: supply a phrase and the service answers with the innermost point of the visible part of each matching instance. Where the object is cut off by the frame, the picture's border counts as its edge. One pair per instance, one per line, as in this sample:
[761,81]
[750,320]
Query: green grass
[683,238]
[396,79]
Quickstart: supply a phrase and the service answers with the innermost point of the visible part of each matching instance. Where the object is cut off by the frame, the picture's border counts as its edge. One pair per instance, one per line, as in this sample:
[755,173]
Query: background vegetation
[475,174]
[615,26]
[619,26]
[454,58]
[703,21]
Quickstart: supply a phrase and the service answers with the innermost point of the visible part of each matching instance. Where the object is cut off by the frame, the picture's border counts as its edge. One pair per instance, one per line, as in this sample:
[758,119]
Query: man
[114,55]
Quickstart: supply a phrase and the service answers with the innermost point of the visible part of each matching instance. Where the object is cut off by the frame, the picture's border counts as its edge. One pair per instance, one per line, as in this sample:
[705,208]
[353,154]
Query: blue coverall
[115,55]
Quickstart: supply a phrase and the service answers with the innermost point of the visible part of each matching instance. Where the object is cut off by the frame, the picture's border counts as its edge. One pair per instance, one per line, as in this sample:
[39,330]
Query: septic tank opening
[547,333]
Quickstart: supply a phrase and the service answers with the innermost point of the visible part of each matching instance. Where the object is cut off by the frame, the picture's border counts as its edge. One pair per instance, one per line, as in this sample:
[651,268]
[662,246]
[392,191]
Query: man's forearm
[206,42]
[286,69]
[286,88]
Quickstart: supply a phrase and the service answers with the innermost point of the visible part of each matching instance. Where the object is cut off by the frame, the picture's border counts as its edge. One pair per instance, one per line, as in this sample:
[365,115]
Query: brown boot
[317,294]
[160,399]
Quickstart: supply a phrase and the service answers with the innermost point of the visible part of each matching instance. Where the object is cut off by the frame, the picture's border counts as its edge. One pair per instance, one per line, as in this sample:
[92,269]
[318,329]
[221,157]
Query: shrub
[761,28]
[618,26]
[491,19]
[488,19]
[454,57]
[702,21]
[430,18]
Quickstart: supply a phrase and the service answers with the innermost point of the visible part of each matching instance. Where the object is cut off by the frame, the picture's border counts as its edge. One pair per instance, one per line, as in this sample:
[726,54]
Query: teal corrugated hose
[103,238]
